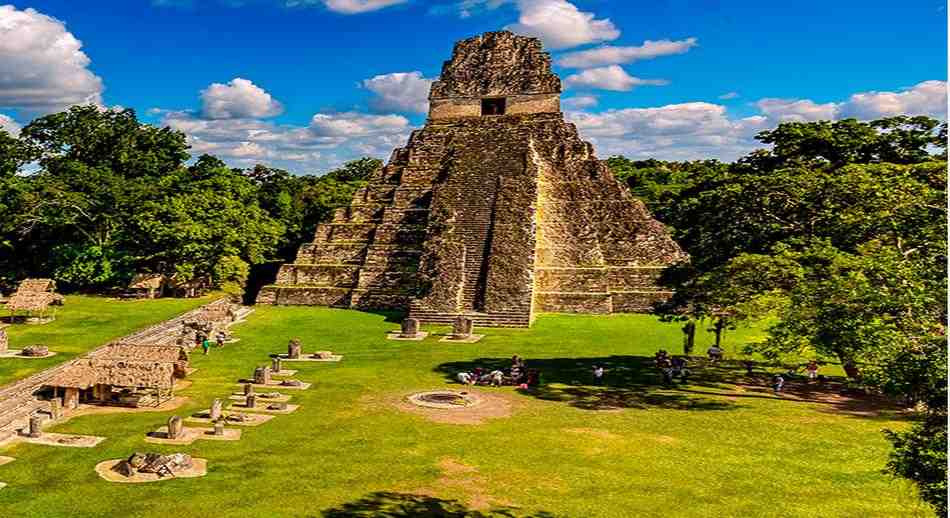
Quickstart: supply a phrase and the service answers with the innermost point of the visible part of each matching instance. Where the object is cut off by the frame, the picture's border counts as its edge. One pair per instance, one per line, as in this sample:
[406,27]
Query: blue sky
[290,82]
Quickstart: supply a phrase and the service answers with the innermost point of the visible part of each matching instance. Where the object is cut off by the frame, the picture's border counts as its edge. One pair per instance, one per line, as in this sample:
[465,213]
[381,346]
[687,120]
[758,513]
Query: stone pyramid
[496,209]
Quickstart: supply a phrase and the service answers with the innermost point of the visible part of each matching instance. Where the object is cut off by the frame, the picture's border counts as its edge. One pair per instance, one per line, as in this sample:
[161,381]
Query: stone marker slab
[262,408]
[250,419]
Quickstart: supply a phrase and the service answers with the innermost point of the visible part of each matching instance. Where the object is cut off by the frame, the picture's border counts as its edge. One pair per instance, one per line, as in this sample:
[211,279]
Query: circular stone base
[444,399]
[104,469]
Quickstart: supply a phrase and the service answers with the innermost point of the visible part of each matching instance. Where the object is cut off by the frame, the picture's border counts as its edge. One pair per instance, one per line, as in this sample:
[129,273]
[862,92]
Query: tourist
[465,378]
[534,378]
[496,378]
[220,338]
[715,353]
[777,383]
[679,368]
[812,369]
[517,374]
[598,374]
[206,345]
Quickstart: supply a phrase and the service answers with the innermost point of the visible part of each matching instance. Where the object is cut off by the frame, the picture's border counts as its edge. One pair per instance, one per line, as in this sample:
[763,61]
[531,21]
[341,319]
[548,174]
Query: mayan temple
[496,209]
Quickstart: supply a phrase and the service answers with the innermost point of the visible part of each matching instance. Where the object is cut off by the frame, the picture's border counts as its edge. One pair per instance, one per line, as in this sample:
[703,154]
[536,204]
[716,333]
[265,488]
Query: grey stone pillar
[174,427]
[294,349]
[462,327]
[410,328]
[251,401]
[248,389]
[216,409]
[56,408]
[275,364]
[36,426]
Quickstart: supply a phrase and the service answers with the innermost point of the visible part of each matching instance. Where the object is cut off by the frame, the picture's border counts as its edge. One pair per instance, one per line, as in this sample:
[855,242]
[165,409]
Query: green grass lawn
[83,324]
[703,449]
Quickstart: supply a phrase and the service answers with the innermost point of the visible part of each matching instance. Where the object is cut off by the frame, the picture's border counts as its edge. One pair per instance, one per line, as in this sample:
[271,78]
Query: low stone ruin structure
[154,463]
[175,355]
[35,351]
[114,382]
[32,300]
[496,209]
[146,286]
[188,288]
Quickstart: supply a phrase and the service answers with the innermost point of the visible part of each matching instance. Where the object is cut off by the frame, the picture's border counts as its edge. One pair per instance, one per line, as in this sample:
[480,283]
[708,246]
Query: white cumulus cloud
[611,77]
[42,66]
[400,92]
[683,131]
[560,24]
[611,55]
[239,98]
[926,98]
[580,101]
[796,110]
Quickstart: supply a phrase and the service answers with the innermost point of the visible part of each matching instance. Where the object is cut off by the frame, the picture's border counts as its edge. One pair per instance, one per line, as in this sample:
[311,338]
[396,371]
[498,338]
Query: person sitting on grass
[220,338]
[465,378]
[679,368]
[517,375]
[715,353]
[497,378]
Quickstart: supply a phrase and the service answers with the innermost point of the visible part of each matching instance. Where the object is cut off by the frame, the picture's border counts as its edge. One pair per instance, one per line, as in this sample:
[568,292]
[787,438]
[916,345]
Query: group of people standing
[518,374]
[204,340]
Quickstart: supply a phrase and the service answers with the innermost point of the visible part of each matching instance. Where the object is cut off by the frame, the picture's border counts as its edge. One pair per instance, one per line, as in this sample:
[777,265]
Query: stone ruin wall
[498,215]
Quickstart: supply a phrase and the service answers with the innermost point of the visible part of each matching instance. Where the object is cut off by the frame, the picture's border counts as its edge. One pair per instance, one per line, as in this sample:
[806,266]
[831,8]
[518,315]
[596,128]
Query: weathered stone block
[294,349]
[175,427]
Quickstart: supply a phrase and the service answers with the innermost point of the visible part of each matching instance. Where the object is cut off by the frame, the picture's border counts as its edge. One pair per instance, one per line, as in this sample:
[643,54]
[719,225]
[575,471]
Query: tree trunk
[719,327]
[689,338]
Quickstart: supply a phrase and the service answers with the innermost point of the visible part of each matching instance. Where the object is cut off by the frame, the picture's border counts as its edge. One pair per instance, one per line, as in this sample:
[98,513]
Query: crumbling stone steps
[500,319]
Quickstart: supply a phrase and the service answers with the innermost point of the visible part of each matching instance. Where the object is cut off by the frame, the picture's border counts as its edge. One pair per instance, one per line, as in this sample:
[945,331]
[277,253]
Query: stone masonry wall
[494,216]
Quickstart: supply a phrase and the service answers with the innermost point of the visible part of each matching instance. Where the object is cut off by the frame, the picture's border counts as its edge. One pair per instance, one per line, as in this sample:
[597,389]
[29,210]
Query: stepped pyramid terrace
[495,209]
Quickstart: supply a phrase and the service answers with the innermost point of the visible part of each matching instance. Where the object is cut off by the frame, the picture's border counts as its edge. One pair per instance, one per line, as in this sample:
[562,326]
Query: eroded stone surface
[494,210]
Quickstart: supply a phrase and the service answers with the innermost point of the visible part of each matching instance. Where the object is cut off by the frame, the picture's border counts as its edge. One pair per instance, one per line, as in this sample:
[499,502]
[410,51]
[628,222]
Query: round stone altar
[445,399]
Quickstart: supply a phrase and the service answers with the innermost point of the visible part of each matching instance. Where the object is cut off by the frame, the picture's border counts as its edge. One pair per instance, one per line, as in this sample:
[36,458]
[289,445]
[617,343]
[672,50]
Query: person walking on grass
[206,345]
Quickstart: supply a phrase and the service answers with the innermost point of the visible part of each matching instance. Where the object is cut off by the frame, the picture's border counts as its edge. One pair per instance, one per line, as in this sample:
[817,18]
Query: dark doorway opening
[493,106]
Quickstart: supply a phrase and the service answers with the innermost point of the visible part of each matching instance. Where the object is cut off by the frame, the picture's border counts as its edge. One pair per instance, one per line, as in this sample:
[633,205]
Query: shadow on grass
[634,382]
[404,505]
[629,382]
[393,316]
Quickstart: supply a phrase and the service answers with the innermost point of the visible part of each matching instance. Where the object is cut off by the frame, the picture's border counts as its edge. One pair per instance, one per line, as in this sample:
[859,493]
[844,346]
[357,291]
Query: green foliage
[113,196]
[840,231]
[657,182]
